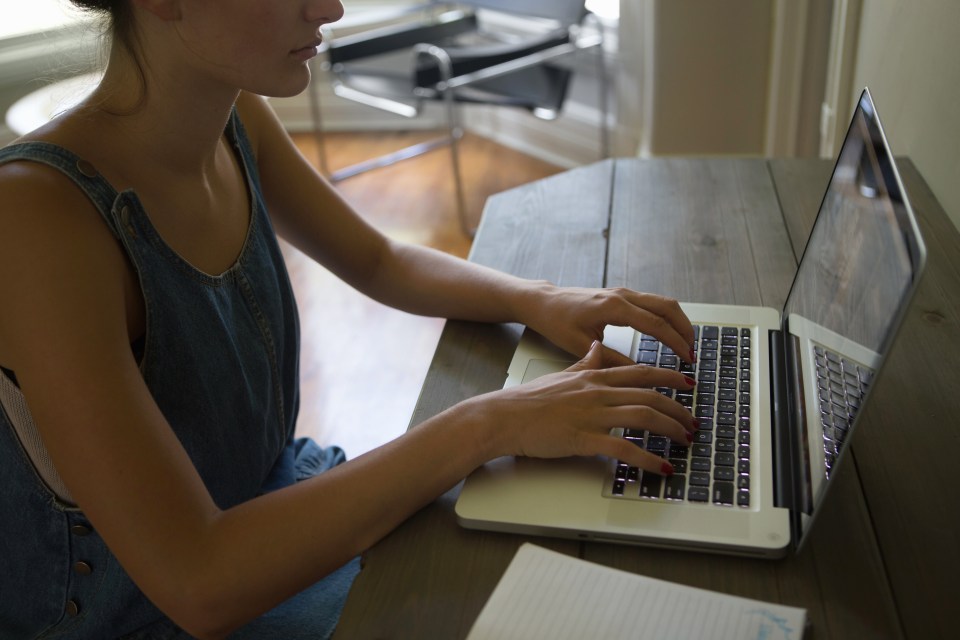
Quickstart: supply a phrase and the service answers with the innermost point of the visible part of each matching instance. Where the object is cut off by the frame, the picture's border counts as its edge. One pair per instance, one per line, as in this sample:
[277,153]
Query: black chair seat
[544,87]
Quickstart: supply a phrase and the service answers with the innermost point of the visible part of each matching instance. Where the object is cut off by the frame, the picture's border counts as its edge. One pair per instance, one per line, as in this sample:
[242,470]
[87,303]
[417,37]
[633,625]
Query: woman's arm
[313,217]
[64,331]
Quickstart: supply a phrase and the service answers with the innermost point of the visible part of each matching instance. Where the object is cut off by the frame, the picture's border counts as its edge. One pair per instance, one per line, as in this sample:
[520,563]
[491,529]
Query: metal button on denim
[73,609]
[87,169]
[80,530]
[83,568]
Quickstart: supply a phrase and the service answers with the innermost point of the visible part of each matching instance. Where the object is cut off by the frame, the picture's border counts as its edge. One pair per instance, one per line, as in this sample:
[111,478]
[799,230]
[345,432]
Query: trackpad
[537,368]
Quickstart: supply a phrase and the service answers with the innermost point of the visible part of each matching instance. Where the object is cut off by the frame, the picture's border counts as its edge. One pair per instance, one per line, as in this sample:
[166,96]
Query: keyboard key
[725,474]
[650,485]
[668,362]
[678,451]
[725,459]
[743,498]
[702,451]
[618,487]
[675,487]
[657,444]
[700,464]
[743,481]
[723,493]
[726,431]
[703,411]
[647,357]
[698,494]
[699,479]
[711,333]
[679,466]
[725,445]
[706,398]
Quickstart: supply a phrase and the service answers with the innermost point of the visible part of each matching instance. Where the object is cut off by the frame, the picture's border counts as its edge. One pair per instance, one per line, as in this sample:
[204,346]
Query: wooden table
[884,557]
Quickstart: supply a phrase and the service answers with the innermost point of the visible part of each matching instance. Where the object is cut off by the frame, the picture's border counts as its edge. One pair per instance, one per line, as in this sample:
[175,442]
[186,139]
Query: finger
[648,409]
[623,450]
[670,310]
[639,375]
[659,327]
[613,358]
[594,359]
[678,426]
[662,318]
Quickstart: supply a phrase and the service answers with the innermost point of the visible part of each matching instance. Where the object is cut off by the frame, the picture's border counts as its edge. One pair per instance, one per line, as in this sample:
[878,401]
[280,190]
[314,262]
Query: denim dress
[220,357]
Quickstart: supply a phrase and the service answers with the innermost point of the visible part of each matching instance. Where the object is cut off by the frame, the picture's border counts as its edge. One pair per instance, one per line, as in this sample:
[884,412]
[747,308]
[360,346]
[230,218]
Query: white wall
[908,53]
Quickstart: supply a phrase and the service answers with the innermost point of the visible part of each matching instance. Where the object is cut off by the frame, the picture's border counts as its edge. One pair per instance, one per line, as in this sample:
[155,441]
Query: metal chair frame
[446,91]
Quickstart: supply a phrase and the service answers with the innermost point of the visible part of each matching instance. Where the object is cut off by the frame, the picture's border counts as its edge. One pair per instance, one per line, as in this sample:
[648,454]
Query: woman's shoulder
[43,208]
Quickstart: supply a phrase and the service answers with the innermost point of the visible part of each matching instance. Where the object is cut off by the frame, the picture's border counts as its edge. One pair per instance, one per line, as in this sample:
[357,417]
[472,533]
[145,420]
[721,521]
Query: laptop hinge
[783,447]
[791,484]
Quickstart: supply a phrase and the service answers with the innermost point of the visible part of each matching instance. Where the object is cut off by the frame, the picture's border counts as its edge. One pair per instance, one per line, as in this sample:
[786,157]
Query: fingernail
[666,469]
[690,381]
[696,424]
[689,437]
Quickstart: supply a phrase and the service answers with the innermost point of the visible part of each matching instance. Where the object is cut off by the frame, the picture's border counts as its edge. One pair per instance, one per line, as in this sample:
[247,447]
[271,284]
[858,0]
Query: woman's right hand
[572,412]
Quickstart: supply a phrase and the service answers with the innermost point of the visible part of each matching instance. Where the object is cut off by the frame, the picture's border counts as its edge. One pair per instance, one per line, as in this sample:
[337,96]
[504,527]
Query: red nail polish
[696,424]
[666,469]
[690,381]
[689,437]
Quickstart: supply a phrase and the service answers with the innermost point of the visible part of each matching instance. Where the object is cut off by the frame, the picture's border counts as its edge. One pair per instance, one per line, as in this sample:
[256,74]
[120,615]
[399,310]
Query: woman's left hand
[572,317]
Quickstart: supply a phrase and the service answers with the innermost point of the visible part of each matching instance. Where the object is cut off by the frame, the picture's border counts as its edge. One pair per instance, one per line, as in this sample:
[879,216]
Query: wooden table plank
[889,525]
[430,578]
[910,429]
[800,183]
[697,229]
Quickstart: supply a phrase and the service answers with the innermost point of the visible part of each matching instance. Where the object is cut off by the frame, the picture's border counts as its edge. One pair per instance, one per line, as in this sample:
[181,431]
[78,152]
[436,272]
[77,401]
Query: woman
[149,349]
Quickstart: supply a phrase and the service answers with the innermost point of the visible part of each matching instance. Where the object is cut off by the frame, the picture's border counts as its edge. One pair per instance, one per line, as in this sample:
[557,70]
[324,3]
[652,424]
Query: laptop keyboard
[841,386]
[716,467]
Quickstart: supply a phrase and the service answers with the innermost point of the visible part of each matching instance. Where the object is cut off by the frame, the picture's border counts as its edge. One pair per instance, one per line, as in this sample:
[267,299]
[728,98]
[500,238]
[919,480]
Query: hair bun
[94,5]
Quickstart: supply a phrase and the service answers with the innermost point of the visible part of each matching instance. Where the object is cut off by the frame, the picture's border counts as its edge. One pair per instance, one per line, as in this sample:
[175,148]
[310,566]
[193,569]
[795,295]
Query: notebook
[778,392]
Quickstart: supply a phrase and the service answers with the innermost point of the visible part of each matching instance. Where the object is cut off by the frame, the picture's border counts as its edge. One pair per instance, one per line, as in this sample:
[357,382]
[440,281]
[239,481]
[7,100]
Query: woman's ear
[162,9]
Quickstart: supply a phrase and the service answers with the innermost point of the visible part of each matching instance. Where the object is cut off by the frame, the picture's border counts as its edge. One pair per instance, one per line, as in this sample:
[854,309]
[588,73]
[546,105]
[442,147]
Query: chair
[448,55]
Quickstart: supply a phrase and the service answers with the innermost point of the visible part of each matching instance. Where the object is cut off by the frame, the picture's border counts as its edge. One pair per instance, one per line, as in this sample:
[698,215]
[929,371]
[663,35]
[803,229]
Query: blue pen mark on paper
[771,626]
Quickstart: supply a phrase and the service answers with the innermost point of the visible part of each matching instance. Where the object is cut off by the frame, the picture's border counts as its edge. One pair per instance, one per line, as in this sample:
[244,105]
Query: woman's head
[257,45]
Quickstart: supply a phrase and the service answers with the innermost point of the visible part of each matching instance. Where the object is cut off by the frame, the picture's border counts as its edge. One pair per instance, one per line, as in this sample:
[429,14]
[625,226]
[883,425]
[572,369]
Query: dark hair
[120,27]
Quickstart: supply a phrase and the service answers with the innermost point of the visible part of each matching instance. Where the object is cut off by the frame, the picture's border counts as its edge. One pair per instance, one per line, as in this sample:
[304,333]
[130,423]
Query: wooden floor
[363,363]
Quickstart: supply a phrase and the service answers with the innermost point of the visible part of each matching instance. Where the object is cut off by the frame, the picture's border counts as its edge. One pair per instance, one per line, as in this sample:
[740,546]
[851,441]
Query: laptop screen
[857,274]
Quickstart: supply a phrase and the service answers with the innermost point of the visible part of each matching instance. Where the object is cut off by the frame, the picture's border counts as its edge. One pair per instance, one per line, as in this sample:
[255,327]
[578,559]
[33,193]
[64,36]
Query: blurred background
[760,78]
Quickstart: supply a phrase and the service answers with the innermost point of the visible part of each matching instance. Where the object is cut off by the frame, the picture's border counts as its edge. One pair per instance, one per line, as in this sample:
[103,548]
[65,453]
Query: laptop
[779,391]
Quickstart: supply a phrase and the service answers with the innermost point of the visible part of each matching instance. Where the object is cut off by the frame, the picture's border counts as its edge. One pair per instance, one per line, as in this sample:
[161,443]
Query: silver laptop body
[770,456]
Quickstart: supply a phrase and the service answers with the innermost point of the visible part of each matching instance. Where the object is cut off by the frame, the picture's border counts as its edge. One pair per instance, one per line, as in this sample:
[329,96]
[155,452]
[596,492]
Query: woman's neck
[162,111]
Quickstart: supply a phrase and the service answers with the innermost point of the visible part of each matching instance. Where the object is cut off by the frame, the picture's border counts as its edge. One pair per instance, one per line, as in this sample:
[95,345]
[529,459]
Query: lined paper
[551,596]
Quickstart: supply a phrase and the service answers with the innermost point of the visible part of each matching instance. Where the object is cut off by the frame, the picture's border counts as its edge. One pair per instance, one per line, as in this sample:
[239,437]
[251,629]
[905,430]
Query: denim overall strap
[100,192]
